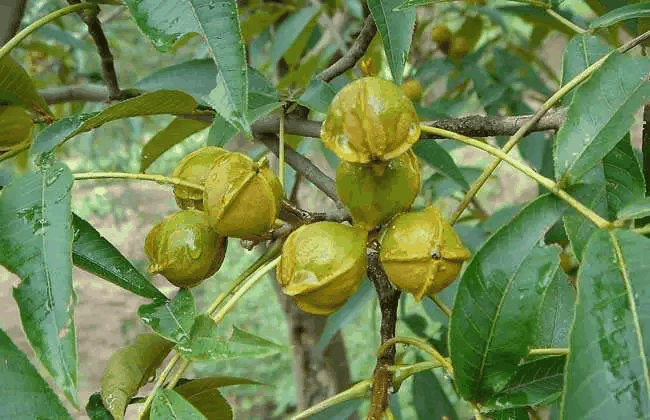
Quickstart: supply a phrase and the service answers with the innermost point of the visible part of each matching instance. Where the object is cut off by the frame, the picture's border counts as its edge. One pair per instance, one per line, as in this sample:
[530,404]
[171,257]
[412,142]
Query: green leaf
[260,16]
[153,103]
[630,11]
[607,369]
[429,398]
[556,313]
[582,51]
[206,344]
[208,401]
[171,319]
[347,313]
[175,132]
[16,126]
[517,413]
[169,405]
[612,184]
[416,3]
[635,210]
[16,87]
[600,115]
[96,410]
[290,29]
[195,77]
[496,307]
[36,244]
[536,382]
[24,395]
[95,254]
[396,30]
[437,157]
[130,368]
[539,17]
[318,96]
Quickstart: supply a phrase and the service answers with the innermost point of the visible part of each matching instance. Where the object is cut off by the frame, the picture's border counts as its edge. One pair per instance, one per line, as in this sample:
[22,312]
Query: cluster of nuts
[240,198]
[453,46]
[371,125]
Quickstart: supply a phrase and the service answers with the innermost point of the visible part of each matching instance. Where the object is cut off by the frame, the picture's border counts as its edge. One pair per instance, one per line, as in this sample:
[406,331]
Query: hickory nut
[322,265]
[421,253]
[374,193]
[184,248]
[194,168]
[241,198]
[371,119]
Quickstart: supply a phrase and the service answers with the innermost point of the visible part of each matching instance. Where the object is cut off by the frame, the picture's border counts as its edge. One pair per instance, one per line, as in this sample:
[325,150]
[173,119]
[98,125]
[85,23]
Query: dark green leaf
[581,52]
[537,16]
[206,344]
[517,413]
[95,254]
[536,382]
[16,87]
[96,410]
[407,4]
[499,218]
[25,395]
[260,16]
[496,307]
[171,319]
[177,131]
[196,77]
[154,103]
[635,210]
[36,244]
[437,157]
[396,30]
[130,368]
[347,313]
[607,368]
[429,398]
[16,126]
[600,115]
[317,96]
[556,313]
[169,405]
[207,400]
[630,11]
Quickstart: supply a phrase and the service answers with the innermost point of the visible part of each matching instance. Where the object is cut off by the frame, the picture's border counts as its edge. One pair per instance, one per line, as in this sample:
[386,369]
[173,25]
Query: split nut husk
[421,253]
[322,265]
[194,168]
[184,248]
[242,198]
[374,193]
[370,120]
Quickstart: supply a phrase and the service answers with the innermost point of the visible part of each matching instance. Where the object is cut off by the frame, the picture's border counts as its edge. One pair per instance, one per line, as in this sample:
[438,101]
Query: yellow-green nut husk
[194,168]
[421,253]
[322,265]
[242,198]
[184,248]
[441,35]
[371,119]
[413,89]
[373,193]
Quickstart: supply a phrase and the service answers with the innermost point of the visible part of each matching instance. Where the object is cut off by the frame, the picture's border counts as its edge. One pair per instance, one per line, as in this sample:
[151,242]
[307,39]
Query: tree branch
[85,93]
[356,51]
[388,301]
[101,43]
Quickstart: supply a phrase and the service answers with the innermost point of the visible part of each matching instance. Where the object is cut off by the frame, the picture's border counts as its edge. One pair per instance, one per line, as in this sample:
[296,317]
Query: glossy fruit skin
[370,120]
[374,193]
[413,90]
[322,265]
[421,253]
[184,248]
[194,168]
[242,198]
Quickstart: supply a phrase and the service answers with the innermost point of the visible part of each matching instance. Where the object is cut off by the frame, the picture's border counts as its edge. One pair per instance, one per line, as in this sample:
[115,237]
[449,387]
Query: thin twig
[304,166]
[566,22]
[103,49]
[388,302]
[161,179]
[548,352]
[356,51]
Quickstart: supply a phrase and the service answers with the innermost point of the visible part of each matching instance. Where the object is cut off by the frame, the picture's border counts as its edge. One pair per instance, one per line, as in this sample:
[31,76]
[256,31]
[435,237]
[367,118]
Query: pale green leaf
[171,319]
[169,405]
[630,11]
[635,210]
[290,30]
